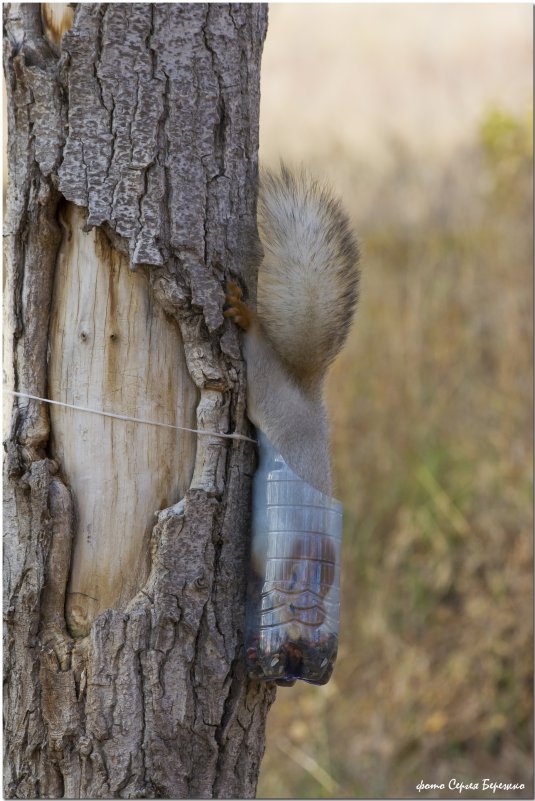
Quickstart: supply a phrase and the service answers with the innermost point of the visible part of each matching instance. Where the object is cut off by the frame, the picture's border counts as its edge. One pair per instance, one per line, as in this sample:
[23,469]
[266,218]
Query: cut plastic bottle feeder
[293,596]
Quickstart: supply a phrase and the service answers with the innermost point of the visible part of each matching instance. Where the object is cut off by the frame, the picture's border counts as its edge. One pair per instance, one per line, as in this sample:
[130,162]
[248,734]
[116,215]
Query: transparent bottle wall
[293,597]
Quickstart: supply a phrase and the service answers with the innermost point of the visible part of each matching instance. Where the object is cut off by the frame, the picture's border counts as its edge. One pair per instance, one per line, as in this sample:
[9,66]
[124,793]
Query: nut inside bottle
[293,597]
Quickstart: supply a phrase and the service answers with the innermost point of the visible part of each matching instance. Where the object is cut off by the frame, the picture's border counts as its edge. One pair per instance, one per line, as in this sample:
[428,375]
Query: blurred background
[421,118]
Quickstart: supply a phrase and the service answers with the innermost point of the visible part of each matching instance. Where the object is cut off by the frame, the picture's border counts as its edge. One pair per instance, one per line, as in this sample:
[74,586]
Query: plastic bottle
[293,596]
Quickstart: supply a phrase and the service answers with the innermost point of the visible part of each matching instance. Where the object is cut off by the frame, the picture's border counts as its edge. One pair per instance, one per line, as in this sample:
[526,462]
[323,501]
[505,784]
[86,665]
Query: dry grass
[432,433]
[350,75]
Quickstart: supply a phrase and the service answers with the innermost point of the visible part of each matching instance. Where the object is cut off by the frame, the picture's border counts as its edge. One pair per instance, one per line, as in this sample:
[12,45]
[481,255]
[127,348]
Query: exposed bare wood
[57,20]
[113,348]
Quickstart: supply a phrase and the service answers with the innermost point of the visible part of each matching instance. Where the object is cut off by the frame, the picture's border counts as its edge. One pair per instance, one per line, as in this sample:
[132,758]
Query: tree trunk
[132,182]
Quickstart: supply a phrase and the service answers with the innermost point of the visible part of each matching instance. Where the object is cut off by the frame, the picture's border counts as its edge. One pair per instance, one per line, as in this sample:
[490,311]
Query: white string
[129,419]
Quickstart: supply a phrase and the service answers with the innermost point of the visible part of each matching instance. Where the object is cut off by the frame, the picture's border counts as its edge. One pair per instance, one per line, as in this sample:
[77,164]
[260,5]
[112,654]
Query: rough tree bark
[132,177]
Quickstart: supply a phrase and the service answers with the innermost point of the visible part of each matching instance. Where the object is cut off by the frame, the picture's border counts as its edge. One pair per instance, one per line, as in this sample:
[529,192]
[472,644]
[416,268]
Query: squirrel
[306,297]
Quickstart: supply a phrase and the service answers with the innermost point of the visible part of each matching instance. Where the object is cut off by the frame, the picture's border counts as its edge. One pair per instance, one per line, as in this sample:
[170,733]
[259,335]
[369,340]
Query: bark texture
[145,117]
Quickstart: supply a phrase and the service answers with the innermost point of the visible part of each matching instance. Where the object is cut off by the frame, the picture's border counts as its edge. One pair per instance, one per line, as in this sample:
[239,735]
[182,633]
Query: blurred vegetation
[432,449]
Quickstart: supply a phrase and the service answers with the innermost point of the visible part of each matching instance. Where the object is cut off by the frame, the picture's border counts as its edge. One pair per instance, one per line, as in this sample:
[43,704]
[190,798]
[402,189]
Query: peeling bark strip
[146,117]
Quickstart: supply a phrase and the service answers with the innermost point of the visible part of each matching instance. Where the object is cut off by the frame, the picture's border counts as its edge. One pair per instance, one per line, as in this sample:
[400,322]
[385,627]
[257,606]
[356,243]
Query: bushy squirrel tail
[308,279]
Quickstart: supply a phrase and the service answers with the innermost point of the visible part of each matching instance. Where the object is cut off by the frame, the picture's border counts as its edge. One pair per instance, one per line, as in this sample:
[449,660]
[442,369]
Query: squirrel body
[306,296]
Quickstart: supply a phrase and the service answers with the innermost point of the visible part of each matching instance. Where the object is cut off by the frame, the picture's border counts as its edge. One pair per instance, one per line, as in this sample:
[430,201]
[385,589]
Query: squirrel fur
[306,297]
